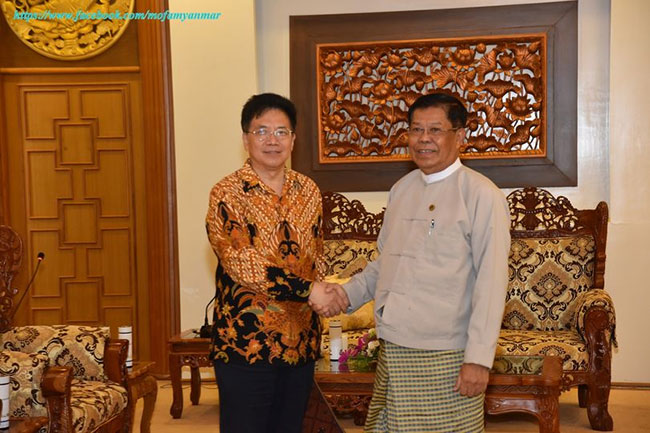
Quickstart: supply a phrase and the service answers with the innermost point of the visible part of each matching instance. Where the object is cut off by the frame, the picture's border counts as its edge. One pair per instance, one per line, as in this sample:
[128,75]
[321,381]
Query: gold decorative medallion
[68,29]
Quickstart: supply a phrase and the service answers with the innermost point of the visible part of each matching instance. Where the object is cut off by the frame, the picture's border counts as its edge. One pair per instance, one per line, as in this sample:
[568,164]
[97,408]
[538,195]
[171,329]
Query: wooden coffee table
[187,349]
[532,386]
[348,392]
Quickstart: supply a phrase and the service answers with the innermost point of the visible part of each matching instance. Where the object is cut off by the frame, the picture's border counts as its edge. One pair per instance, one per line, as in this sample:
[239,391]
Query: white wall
[628,260]
[623,183]
[213,71]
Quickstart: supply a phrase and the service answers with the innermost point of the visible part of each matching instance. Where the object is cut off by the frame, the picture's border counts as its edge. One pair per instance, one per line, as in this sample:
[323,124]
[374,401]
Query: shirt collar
[440,175]
[252,180]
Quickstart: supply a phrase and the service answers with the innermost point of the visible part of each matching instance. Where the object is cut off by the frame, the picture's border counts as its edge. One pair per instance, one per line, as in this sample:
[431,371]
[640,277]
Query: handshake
[328,299]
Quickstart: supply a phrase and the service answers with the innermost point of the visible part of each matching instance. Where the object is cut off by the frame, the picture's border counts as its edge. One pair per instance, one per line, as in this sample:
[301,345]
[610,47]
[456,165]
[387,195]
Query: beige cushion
[81,347]
[94,403]
[345,258]
[565,344]
[25,371]
[362,319]
[545,278]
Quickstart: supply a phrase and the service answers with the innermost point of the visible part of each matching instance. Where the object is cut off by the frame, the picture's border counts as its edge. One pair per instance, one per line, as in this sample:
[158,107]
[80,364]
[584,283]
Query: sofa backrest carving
[350,233]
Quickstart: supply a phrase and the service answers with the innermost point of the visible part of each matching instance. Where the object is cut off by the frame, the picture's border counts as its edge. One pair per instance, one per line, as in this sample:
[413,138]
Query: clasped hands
[328,299]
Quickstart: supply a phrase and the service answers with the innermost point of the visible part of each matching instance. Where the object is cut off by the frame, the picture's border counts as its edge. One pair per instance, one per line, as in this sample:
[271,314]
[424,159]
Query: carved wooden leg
[597,399]
[149,402]
[548,415]
[599,371]
[582,396]
[360,403]
[176,409]
[195,393]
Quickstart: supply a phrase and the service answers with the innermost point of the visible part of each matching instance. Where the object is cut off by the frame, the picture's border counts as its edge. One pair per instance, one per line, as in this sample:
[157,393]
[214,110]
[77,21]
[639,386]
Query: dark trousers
[264,399]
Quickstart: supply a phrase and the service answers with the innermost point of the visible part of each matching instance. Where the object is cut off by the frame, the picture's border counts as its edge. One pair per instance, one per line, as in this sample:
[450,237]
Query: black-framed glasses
[418,131]
[264,134]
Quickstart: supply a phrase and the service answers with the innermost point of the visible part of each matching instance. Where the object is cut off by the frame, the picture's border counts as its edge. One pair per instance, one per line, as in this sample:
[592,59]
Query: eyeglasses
[264,134]
[435,132]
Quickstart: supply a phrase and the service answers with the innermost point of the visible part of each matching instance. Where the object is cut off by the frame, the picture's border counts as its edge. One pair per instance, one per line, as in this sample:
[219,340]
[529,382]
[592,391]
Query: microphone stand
[39,258]
[206,329]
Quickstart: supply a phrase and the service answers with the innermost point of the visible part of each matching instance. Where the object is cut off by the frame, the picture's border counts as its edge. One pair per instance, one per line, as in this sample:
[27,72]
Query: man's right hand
[328,299]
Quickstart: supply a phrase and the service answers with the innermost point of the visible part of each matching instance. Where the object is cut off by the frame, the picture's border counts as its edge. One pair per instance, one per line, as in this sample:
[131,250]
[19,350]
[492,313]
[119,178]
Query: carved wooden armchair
[556,303]
[74,375]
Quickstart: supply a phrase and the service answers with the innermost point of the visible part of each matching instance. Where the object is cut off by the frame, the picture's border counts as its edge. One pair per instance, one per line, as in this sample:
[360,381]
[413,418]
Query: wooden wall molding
[72,70]
[162,239]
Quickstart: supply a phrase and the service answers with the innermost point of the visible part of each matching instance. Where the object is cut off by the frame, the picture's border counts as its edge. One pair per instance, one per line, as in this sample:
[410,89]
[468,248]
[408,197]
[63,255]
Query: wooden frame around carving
[557,21]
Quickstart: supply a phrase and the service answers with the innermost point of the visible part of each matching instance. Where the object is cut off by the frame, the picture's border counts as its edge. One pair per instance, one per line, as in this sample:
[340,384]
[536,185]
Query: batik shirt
[270,251]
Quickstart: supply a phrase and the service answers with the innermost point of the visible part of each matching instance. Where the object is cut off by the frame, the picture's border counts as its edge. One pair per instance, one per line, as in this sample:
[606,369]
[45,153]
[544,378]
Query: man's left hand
[472,380]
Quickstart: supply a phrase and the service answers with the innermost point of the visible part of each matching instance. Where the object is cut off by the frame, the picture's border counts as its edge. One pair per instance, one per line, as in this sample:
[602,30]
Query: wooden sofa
[555,303]
[74,375]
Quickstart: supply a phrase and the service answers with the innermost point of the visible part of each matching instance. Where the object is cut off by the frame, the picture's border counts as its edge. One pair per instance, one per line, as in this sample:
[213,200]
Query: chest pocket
[443,244]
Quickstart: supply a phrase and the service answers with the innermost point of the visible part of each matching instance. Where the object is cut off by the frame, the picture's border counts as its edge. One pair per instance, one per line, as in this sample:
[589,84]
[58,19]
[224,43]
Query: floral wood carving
[11,255]
[365,90]
[68,29]
[535,209]
[345,219]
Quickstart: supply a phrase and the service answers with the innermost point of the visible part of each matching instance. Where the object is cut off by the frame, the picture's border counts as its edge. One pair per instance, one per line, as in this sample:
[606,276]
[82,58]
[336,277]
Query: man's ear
[460,137]
[244,139]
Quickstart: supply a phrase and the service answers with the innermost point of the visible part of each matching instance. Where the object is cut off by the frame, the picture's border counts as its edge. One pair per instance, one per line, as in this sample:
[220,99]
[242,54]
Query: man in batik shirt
[264,223]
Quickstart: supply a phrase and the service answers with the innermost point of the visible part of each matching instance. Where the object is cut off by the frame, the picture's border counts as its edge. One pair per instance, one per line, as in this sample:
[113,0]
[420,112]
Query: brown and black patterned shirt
[270,251]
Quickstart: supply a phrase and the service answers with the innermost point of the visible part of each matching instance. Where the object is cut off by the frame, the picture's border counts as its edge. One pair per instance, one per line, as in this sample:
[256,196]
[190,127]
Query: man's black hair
[456,111]
[257,105]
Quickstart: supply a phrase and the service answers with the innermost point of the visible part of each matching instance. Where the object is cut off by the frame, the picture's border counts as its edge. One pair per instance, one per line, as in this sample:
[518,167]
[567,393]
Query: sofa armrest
[115,353]
[590,302]
[57,384]
[25,371]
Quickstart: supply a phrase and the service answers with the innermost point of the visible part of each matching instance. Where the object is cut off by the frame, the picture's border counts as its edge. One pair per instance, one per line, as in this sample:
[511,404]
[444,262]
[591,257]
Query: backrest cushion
[25,371]
[545,276]
[344,258]
[362,319]
[81,347]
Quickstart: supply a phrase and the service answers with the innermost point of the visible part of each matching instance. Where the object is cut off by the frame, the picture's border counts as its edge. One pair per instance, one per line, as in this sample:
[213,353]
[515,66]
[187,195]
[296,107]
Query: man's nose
[273,139]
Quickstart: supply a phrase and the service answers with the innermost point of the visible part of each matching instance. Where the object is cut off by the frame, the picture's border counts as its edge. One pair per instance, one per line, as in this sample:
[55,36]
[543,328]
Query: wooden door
[76,170]
[84,181]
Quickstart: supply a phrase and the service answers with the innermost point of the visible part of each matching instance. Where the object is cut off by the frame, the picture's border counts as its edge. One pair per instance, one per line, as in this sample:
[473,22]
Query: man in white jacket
[439,283]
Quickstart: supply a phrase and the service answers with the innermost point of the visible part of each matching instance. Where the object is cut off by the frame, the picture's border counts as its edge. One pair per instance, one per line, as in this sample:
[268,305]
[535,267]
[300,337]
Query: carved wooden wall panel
[365,91]
[77,153]
[353,77]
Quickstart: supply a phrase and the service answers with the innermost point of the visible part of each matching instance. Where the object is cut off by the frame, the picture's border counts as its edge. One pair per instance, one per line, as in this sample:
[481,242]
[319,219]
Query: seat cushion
[565,344]
[25,371]
[94,403]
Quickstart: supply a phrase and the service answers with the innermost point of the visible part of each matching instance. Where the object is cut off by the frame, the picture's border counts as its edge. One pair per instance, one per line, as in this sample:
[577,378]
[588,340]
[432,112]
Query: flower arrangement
[364,355]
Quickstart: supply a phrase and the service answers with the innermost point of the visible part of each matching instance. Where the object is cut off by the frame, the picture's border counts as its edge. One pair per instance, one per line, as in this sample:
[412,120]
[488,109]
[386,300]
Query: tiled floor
[629,408]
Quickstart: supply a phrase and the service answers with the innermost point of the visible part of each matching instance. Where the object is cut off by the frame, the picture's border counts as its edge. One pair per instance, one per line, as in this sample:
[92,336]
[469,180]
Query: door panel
[72,146]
